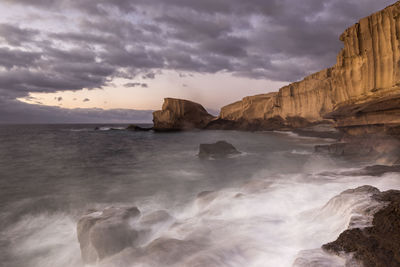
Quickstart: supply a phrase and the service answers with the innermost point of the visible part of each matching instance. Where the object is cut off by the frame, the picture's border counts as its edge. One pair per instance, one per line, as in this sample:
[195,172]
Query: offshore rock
[220,149]
[361,92]
[179,114]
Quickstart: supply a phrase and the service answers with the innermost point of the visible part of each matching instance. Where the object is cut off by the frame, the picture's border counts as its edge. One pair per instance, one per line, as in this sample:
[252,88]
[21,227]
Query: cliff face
[179,114]
[367,74]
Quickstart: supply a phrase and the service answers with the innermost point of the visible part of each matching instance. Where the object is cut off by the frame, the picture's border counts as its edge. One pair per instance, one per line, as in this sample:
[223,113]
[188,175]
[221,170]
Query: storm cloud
[278,40]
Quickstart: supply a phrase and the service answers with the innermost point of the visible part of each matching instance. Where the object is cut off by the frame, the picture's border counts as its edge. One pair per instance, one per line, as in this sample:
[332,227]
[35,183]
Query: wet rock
[379,244]
[345,149]
[375,148]
[319,131]
[105,233]
[220,149]
[136,128]
[205,198]
[375,170]
[156,217]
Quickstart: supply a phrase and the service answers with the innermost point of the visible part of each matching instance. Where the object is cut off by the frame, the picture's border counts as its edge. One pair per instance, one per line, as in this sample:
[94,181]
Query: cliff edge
[361,92]
[179,114]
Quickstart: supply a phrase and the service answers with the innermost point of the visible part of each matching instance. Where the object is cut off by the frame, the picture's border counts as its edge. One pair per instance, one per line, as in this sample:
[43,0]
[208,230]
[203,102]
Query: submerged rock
[220,149]
[105,233]
[378,244]
[179,114]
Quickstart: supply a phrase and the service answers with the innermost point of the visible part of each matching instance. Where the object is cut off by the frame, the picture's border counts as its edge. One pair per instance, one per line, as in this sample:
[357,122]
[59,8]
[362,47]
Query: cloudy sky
[115,60]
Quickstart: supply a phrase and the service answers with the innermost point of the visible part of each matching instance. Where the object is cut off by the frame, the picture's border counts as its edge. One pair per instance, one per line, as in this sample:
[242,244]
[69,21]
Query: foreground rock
[220,149]
[378,244]
[105,233]
[108,233]
[179,114]
[360,92]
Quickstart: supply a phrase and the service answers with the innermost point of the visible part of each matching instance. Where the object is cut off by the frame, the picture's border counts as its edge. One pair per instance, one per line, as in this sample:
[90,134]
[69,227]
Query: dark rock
[221,124]
[319,131]
[377,148]
[345,149]
[136,128]
[220,149]
[378,245]
[103,234]
[375,170]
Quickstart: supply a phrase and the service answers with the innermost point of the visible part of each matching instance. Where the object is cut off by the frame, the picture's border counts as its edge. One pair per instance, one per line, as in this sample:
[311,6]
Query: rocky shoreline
[356,102]
[378,244]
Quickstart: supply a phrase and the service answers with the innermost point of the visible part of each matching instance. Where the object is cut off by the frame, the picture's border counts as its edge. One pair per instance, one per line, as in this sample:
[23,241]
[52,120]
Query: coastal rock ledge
[180,114]
[377,244]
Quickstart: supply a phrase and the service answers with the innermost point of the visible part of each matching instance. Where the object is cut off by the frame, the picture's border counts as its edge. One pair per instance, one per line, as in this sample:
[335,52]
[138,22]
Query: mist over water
[269,206]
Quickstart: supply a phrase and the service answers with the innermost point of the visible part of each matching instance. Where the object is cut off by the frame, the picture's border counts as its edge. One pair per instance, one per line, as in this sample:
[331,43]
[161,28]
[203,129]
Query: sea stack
[180,114]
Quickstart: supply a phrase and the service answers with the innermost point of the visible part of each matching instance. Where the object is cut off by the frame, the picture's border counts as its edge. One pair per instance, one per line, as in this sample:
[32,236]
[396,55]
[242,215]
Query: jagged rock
[361,92]
[220,149]
[105,233]
[179,114]
[379,244]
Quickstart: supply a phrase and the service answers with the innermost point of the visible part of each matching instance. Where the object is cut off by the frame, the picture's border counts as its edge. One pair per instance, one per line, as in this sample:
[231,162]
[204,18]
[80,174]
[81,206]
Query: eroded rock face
[220,149]
[379,244]
[105,233]
[361,90]
[179,114]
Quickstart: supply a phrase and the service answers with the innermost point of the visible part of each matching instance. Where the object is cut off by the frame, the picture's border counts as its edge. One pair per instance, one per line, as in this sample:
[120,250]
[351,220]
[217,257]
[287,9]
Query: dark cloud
[129,85]
[15,36]
[280,40]
[150,75]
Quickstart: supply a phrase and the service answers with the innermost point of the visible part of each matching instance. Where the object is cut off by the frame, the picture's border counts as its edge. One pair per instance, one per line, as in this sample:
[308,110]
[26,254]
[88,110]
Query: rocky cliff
[179,114]
[361,91]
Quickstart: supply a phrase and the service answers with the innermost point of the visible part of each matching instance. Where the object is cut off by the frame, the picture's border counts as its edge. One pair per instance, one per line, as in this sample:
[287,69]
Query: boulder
[220,149]
[104,233]
[179,114]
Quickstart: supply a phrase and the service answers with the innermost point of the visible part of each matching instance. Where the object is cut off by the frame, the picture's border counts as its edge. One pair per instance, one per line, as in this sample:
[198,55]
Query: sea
[265,207]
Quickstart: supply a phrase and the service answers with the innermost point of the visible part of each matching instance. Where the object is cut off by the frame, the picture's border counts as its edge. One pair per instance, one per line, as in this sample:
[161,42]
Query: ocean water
[265,207]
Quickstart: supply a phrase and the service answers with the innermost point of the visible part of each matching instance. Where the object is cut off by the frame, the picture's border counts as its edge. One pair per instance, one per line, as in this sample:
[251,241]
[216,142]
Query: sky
[115,60]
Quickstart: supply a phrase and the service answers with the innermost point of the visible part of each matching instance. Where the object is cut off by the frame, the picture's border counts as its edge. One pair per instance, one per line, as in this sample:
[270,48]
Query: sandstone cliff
[361,91]
[179,114]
